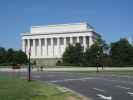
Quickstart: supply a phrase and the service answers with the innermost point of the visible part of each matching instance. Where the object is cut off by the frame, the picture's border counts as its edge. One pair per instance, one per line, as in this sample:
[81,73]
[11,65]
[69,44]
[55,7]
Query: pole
[29,68]
[98,60]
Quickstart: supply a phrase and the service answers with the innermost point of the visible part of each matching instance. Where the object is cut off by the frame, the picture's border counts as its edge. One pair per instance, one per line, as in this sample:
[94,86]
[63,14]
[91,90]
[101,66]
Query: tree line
[12,57]
[119,54]
[116,54]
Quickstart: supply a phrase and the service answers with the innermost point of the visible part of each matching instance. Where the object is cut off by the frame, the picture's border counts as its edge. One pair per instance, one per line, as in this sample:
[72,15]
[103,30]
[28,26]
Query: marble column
[65,42]
[28,46]
[23,45]
[71,40]
[78,40]
[34,48]
[90,41]
[42,43]
[84,42]
[52,45]
[46,47]
[58,46]
[39,51]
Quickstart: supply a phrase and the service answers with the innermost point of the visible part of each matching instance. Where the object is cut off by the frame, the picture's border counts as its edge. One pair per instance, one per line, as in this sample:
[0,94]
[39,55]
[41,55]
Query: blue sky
[113,19]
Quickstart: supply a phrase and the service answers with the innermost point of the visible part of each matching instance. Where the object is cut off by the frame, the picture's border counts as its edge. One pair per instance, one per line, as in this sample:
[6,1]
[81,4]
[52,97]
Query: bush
[10,56]
[16,66]
[59,63]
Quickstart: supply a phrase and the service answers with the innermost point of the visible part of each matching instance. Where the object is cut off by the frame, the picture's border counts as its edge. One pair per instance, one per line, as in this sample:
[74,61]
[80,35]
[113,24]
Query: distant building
[48,43]
[130,40]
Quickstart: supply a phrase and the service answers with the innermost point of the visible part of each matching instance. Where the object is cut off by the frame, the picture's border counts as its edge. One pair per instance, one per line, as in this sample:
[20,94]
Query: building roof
[60,28]
[71,27]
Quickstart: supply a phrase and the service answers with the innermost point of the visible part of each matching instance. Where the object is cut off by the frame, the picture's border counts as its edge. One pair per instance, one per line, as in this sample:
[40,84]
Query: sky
[113,19]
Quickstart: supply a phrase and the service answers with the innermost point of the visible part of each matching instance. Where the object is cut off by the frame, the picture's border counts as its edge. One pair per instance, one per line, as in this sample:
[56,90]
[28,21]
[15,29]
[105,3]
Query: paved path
[71,69]
[98,86]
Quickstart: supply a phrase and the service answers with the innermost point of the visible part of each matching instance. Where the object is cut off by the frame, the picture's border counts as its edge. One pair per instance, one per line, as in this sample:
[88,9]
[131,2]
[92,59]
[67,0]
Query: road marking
[99,89]
[130,93]
[66,80]
[122,87]
[104,97]
[112,80]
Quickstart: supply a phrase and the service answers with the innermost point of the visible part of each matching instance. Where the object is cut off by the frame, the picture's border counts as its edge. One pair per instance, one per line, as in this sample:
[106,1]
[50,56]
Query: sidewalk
[69,69]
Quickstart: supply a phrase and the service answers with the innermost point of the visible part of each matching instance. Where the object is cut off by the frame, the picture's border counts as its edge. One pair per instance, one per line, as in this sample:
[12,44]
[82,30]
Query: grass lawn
[19,89]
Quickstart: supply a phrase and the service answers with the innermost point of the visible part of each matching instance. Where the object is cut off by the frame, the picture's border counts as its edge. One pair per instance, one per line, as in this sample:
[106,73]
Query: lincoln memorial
[47,43]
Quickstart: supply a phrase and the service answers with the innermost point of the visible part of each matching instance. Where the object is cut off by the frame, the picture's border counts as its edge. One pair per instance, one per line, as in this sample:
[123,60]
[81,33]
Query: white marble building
[49,42]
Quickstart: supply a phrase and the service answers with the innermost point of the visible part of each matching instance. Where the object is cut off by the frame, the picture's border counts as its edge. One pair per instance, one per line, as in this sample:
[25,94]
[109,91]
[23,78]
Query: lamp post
[98,54]
[29,68]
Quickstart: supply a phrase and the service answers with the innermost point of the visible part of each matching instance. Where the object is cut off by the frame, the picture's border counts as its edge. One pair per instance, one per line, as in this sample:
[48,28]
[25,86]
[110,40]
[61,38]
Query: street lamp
[29,68]
[98,55]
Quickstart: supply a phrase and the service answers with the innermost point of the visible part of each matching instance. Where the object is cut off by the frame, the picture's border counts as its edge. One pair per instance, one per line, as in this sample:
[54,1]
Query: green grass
[19,89]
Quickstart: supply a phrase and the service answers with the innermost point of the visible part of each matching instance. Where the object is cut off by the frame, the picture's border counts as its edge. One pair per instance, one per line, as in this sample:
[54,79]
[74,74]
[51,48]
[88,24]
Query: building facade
[47,43]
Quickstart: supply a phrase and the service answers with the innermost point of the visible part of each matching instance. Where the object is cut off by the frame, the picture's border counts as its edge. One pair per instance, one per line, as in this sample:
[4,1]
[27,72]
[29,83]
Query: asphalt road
[96,86]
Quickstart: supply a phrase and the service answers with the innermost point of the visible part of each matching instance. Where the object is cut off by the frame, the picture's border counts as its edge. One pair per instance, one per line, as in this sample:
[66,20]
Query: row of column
[52,46]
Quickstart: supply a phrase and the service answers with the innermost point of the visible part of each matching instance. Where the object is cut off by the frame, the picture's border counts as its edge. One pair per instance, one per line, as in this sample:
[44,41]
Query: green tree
[6,56]
[9,56]
[106,60]
[121,53]
[68,54]
[73,54]
[78,54]
[19,57]
[95,53]
[2,55]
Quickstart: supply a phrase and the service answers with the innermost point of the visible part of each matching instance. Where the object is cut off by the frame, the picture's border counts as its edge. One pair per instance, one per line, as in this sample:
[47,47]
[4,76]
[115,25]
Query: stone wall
[46,62]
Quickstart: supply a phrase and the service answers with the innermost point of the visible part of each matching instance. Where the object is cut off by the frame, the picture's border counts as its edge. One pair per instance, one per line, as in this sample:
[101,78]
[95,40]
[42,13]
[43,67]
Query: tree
[2,55]
[121,53]
[12,57]
[68,54]
[9,55]
[19,57]
[78,54]
[106,60]
[73,54]
[95,53]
